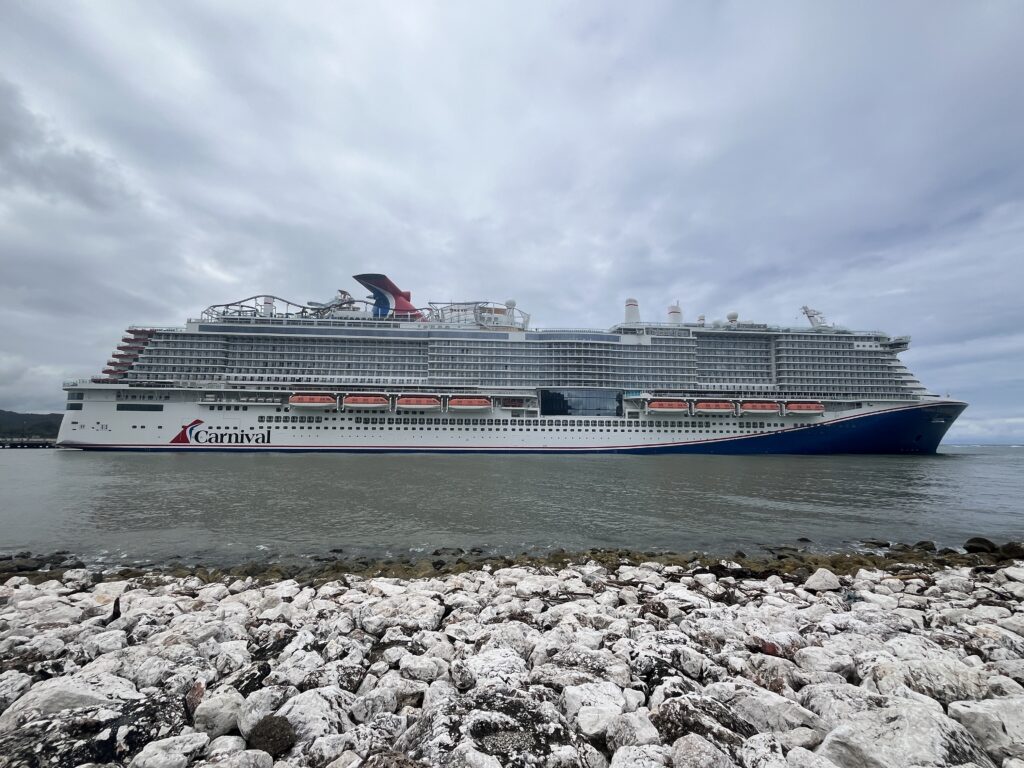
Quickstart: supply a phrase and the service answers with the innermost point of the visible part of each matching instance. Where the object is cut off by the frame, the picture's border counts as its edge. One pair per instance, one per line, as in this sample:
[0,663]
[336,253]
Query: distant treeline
[29,424]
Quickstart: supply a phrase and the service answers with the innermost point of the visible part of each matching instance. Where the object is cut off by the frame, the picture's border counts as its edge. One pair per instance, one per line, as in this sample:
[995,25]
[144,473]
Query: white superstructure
[269,374]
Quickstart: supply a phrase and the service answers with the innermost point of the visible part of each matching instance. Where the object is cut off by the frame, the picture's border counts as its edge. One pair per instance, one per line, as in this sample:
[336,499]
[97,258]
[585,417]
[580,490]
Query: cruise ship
[381,374]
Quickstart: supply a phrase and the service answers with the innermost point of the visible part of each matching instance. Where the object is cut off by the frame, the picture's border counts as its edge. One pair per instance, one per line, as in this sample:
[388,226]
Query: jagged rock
[411,612]
[631,729]
[997,724]
[901,735]
[375,735]
[767,711]
[604,695]
[75,692]
[576,665]
[834,703]
[943,680]
[798,757]
[495,721]
[261,703]
[347,759]
[424,668]
[693,751]
[12,685]
[273,734]
[249,758]
[389,760]
[822,580]
[373,703]
[314,713]
[703,716]
[515,635]
[225,745]
[593,721]
[105,642]
[173,752]
[762,751]
[645,756]
[217,714]
[493,667]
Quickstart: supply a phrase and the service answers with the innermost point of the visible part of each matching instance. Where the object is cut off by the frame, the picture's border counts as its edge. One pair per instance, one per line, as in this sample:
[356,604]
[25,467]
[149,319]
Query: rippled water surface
[223,508]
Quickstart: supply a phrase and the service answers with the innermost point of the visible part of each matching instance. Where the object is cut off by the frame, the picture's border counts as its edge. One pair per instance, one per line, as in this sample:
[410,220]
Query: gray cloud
[860,158]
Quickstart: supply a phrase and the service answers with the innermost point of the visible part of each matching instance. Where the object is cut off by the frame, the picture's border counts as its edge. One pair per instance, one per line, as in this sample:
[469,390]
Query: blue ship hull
[912,430]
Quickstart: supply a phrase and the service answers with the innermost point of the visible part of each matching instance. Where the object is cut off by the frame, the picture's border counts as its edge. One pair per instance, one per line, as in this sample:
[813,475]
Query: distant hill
[29,424]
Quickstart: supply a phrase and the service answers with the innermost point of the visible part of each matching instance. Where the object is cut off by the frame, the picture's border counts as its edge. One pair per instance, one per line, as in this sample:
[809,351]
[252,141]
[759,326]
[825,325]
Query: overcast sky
[865,158]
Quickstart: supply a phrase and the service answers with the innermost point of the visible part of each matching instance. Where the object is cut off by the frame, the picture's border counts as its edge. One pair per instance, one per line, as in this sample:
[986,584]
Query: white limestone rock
[646,756]
[248,758]
[217,714]
[78,579]
[12,685]
[762,751]
[424,668]
[347,759]
[318,712]
[604,694]
[798,757]
[173,752]
[593,721]
[822,580]
[997,724]
[516,635]
[50,696]
[465,755]
[942,679]
[373,703]
[901,735]
[631,729]
[493,667]
[223,745]
[693,751]
[260,703]
[411,611]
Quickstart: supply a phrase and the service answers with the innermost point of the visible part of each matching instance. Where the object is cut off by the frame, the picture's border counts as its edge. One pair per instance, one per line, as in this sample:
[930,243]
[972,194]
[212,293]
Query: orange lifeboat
[469,404]
[713,406]
[313,401]
[805,408]
[411,403]
[677,407]
[756,407]
[366,402]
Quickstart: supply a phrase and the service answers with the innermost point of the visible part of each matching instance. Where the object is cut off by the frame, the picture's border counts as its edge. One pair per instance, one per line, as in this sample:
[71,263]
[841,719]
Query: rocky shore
[902,657]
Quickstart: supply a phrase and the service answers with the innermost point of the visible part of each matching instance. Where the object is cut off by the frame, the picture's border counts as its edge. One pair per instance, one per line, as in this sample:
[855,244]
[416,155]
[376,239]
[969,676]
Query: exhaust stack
[632,311]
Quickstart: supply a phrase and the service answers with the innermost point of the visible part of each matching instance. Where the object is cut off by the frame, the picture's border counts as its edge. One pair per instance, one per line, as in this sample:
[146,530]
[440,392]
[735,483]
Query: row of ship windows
[588,425]
[540,427]
[495,355]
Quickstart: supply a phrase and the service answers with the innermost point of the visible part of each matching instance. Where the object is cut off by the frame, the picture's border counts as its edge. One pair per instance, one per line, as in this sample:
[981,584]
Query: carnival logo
[185,436]
[192,434]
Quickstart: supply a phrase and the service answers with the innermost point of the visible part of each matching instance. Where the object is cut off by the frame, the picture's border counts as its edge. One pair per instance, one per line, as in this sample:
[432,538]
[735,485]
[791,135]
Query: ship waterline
[269,375]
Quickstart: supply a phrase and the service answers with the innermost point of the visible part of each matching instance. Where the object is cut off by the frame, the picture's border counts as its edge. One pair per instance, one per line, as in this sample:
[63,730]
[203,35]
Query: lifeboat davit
[313,401]
[677,407]
[469,404]
[366,402]
[415,403]
[755,407]
[713,406]
[805,408]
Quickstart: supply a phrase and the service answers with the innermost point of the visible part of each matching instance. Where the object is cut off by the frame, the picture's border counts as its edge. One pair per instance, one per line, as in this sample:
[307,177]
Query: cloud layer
[863,159]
